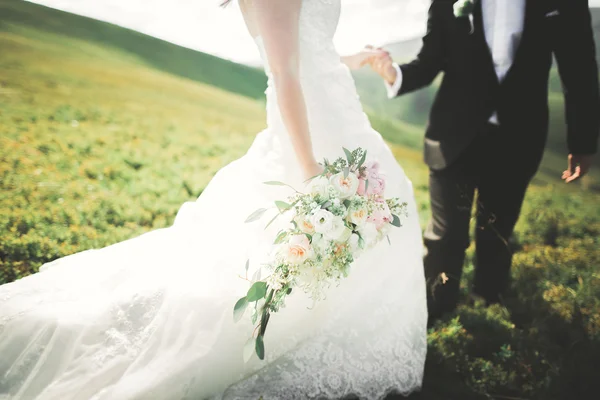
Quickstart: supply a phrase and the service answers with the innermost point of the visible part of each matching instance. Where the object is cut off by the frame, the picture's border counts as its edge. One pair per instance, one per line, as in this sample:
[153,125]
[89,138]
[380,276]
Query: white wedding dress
[152,317]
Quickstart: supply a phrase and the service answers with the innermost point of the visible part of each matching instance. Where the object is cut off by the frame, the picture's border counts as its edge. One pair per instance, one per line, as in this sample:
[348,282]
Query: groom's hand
[384,66]
[579,165]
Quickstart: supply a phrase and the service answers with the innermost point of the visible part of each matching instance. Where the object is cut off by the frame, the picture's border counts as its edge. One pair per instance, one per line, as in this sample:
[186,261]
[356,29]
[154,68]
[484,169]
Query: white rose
[353,243]
[304,224]
[358,216]
[319,243]
[319,186]
[339,231]
[369,233]
[345,186]
[296,250]
[322,220]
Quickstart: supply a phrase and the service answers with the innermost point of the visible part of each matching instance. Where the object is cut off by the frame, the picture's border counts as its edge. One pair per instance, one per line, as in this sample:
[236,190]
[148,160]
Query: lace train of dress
[151,317]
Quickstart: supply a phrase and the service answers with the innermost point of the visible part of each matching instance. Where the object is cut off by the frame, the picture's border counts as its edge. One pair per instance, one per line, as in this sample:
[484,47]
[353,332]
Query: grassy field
[105,132]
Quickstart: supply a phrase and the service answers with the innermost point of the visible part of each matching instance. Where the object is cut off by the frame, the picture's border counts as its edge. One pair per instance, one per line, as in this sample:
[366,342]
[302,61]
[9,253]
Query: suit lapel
[528,21]
[482,47]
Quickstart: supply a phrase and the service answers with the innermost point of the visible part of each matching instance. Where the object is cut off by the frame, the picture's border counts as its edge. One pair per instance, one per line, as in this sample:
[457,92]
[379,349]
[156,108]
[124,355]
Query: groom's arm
[575,54]
[428,63]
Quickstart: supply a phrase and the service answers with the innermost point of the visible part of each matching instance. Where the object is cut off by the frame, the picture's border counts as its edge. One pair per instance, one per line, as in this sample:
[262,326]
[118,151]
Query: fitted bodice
[335,114]
[317,26]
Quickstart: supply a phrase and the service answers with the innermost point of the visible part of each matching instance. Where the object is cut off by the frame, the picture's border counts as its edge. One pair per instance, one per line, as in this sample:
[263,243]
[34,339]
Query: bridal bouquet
[343,214]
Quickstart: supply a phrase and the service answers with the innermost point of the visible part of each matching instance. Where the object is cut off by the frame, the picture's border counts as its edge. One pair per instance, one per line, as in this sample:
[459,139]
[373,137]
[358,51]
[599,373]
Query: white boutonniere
[465,8]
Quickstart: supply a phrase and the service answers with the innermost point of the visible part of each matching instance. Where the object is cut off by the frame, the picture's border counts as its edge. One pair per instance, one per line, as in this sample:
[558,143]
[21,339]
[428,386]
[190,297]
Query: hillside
[153,52]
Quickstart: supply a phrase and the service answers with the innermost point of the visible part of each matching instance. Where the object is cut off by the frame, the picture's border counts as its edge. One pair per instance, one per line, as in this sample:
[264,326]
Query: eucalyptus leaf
[346,172]
[254,316]
[272,220]
[310,179]
[361,242]
[256,215]
[264,320]
[362,159]
[282,205]
[366,185]
[257,275]
[348,156]
[257,291]
[260,347]
[396,221]
[249,349]
[275,183]
[282,235]
[240,308]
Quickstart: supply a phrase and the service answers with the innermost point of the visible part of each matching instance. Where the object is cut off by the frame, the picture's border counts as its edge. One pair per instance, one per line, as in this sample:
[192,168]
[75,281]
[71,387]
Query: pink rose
[361,187]
[376,181]
[372,166]
[381,216]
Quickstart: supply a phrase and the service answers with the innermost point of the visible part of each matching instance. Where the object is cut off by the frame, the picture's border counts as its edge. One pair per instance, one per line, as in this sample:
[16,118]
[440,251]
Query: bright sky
[203,25]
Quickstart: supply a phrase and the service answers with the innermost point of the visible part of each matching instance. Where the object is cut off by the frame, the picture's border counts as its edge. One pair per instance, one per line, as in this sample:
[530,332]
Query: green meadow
[105,132]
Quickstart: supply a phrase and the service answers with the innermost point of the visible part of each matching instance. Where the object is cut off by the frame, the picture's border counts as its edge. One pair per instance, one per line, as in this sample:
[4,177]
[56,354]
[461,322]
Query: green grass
[100,142]
[96,145]
[131,45]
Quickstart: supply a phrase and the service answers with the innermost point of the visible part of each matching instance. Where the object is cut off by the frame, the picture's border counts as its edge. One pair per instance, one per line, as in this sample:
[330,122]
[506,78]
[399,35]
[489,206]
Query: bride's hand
[313,169]
[363,57]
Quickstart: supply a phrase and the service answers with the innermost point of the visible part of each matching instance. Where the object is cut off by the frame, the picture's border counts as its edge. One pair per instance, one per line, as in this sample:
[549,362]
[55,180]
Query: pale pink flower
[296,250]
[381,216]
[376,184]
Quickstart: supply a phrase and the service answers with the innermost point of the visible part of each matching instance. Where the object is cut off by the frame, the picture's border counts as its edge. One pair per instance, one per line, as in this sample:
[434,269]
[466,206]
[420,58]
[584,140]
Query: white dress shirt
[503,22]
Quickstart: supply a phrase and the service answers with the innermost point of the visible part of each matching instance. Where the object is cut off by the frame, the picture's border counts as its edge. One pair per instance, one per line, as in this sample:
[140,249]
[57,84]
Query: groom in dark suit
[489,122]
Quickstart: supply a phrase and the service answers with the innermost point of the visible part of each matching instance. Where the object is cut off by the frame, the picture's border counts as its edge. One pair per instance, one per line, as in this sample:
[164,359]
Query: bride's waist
[330,95]
[315,72]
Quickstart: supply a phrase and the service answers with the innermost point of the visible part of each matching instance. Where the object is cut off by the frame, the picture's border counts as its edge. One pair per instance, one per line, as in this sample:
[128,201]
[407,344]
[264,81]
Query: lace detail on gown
[151,317]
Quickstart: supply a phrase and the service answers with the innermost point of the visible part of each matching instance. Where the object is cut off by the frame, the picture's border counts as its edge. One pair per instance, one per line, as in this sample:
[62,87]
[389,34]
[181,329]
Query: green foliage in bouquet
[341,216]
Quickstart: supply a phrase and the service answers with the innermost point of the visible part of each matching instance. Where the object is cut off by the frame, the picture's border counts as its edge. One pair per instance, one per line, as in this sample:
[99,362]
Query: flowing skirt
[151,317]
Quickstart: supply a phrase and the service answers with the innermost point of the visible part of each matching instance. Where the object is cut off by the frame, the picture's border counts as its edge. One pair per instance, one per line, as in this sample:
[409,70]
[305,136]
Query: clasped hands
[381,62]
[377,58]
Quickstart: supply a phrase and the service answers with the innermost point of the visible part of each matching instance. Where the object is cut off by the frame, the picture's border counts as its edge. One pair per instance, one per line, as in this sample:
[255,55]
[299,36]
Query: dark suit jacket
[470,91]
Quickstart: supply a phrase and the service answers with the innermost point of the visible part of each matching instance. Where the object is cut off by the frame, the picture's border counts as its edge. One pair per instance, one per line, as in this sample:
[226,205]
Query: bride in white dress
[151,317]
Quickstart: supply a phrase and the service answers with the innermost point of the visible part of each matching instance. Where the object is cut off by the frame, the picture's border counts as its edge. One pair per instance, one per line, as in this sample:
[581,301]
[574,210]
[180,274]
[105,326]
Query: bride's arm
[277,23]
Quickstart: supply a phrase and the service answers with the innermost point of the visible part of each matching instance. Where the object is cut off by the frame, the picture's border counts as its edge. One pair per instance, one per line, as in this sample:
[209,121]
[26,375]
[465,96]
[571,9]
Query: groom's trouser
[492,166]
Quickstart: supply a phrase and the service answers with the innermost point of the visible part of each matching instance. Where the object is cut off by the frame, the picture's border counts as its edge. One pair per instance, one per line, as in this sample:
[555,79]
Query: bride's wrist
[311,170]
[306,160]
